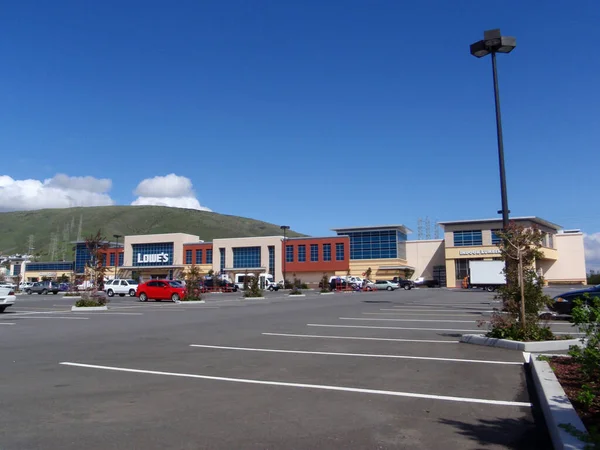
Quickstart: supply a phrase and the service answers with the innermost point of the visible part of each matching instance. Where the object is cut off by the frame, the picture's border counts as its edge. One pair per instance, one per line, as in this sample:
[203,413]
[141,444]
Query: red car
[160,290]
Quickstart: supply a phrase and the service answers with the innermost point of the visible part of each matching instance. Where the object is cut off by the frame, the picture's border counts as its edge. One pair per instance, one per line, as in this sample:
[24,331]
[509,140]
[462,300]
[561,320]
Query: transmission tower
[420,228]
[436,230]
[427,228]
[79,228]
[30,244]
[53,247]
[64,248]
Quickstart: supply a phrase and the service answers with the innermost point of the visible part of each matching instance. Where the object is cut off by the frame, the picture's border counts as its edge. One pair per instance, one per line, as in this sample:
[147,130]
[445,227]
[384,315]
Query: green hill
[51,231]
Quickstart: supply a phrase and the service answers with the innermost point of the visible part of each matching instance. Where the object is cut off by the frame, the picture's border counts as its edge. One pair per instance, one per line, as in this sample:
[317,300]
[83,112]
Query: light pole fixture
[117,236]
[493,42]
[284,228]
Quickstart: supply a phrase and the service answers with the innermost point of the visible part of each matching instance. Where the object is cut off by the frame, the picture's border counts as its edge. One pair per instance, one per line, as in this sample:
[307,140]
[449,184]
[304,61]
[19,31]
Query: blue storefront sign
[153,255]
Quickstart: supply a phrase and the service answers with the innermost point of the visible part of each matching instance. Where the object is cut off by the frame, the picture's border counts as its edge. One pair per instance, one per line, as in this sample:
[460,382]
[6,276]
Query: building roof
[533,219]
[399,227]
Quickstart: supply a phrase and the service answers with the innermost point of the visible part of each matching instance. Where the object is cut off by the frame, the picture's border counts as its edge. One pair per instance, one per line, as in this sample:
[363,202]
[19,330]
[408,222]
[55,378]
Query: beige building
[467,240]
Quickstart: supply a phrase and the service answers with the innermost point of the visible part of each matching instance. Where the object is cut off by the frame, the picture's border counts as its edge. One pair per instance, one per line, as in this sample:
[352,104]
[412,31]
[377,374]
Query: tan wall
[263,242]
[424,255]
[360,266]
[178,239]
[570,263]
[203,268]
[50,274]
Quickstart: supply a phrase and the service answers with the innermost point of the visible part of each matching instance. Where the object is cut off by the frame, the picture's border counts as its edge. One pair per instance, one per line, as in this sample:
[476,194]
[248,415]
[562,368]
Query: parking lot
[350,370]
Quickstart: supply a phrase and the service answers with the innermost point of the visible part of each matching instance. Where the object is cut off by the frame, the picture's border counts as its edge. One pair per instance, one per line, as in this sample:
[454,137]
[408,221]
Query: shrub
[92,298]
[505,326]
[295,291]
[192,284]
[303,286]
[324,284]
[254,289]
[587,317]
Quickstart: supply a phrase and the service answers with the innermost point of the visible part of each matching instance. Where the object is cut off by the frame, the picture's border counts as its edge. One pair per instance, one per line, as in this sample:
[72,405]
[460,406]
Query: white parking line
[6,323]
[406,320]
[364,355]
[391,328]
[307,386]
[429,341]
[414,314]
[49,317]
[434,310]
[104,313]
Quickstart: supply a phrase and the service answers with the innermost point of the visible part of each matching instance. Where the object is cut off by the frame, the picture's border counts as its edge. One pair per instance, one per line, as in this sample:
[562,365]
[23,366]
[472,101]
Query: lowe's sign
[153,254]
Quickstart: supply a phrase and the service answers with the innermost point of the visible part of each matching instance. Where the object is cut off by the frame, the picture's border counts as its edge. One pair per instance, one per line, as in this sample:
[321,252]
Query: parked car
[121,287]
[226,286]
[421,281]
[8,284]
[7,298]
[160,290]
[383,285]
[563,303]
[43,287]
[25,284]
[405,284]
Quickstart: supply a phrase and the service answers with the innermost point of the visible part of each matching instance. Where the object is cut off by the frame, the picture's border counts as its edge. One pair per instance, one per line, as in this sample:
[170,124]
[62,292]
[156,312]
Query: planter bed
[539,346]
[253,298]
[191,302]
[557,408]
[326,293]
[569,375]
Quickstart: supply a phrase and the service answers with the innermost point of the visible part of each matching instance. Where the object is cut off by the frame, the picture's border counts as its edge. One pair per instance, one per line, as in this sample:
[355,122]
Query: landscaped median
[536,346]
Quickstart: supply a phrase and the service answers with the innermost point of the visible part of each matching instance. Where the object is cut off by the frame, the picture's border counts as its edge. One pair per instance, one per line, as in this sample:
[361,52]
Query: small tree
[246,281]
[63,278]
[96,246]
[324,283]
[523,296]
[368,273]
[408,273]
[254,289]
[192,283]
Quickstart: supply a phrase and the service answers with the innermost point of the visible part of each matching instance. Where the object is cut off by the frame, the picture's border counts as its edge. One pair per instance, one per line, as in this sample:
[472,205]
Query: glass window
[246,257]
[314,252]
[49,266]
[199,256]
[17,269]
[121,256]
[222,256]
[188,256]
[209,256]
[112,259]
[550,241]
[462,268]
[339,252]
[495,238]
[377,244]
[467,238]
[272,260]
[289,253]
[302,253]
[326,252]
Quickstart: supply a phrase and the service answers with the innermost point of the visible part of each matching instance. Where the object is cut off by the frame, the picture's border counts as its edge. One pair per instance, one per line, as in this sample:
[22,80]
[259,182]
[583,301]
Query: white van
[265,281]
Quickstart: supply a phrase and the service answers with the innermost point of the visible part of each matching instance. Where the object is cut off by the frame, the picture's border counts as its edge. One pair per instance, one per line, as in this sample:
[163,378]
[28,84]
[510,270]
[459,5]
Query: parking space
[349,371]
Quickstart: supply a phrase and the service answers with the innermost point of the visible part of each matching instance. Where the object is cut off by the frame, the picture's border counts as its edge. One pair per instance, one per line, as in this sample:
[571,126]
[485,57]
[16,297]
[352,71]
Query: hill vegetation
[50,232]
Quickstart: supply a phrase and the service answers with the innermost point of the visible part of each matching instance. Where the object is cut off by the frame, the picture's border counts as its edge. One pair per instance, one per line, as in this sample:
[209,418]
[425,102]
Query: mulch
[571,378]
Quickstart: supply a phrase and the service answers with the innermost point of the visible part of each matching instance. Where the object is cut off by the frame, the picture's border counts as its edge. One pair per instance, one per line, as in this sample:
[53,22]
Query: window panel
[121,258]
[495,238]
[48,266]
[188,256]
[199,256]
[314,252]
[272,260]
[222,255]
[289,253]
[302,253]
[326,252]
[112,259]
[339,252]
[467,238]
[209,256]
[246,257]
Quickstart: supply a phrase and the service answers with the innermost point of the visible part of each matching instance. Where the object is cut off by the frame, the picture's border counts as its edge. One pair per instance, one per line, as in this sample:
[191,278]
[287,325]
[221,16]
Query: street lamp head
[284,227]
[493,42]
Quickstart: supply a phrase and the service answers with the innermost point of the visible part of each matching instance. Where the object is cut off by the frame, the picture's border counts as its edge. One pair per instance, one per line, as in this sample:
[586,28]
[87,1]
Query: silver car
[383,285]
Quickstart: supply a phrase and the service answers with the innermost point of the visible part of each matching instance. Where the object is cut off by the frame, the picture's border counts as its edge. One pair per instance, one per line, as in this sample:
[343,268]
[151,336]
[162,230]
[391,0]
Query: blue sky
[315,114]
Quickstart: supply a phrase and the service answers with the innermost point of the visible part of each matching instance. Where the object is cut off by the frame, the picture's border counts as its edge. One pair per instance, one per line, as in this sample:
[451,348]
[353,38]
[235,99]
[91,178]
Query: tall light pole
[284,228]
[493,42]
[117,236]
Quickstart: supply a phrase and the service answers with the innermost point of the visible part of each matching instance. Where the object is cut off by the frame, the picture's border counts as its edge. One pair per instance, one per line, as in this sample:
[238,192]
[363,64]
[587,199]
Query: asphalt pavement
[345,371]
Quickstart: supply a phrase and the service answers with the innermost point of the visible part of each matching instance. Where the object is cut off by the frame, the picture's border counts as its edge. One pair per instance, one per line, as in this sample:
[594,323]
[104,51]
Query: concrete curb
[253,298]
[191,302]
[543,346]
[89,308]
[326,293]
[74,297]
[297,295]
[556,406]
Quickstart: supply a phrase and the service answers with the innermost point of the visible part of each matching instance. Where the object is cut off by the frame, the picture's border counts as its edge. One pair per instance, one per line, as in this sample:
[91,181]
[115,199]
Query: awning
[245,269]
[396,268]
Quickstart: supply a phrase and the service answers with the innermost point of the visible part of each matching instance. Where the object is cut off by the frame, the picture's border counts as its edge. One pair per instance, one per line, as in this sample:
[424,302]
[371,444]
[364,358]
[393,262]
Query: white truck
[488,275]
[265,281]
[120,287]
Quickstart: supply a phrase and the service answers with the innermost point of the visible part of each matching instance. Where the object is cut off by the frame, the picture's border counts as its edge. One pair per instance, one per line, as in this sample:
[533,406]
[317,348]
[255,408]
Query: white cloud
[591,243]
[171,190]
[61,191]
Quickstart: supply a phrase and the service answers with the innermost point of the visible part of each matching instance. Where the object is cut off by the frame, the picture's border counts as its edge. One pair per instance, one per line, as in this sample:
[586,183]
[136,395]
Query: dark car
[226,286]
[403,283]
[43,287]
[563,303]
